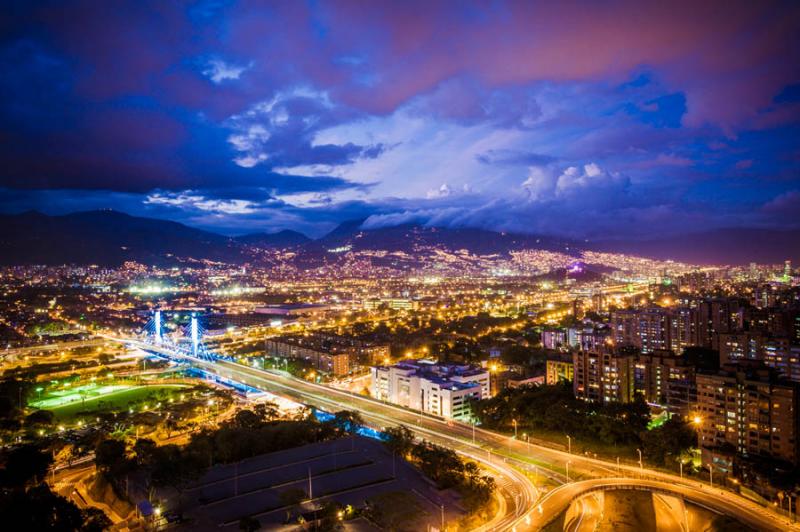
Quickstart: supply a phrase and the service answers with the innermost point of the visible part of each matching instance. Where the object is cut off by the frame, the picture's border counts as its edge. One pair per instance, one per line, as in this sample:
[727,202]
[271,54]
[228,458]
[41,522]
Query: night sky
[585,119]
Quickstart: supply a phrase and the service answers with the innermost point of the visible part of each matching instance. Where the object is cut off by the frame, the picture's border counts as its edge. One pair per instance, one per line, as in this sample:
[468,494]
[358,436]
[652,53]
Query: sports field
[91,397]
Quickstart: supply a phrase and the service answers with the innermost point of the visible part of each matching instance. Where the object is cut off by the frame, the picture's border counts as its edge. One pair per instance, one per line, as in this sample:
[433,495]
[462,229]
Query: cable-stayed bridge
[180,347]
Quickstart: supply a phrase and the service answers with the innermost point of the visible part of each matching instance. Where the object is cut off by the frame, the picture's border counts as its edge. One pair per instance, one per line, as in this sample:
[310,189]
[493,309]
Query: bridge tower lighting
[195,335]
[158,326]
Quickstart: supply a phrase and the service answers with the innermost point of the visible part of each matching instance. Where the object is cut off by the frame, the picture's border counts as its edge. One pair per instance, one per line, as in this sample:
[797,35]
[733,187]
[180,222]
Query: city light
[423,266]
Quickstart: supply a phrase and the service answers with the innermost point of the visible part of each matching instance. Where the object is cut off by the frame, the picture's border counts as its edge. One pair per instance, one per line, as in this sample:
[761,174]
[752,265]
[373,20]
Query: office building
[438,389]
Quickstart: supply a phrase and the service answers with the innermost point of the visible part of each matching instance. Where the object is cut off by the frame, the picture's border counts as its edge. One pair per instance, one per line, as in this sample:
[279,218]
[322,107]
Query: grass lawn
[65,404]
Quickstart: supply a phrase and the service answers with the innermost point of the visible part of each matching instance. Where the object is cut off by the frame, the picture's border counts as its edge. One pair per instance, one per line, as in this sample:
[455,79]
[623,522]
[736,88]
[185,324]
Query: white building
[441,390]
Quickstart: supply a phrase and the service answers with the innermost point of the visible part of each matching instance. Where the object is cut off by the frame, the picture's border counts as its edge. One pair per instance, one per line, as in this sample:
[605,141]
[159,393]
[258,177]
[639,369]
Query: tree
[440,464]
[40,417]
[517,354]
[347,422]
[25,465]
[328,516]
[176,467]
[95,520]
[291,499]
[395,510]
[400,440]
[667,443]
[267,411]
[145,450]
[247,419]
[111,459]
[38,508]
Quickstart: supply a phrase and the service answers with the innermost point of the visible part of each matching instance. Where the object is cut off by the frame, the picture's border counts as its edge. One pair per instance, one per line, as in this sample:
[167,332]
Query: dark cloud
[467,101]
[217,112]
[515,158]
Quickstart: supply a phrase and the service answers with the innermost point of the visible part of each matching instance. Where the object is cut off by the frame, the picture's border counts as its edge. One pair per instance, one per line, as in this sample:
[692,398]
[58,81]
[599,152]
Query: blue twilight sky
[585,119]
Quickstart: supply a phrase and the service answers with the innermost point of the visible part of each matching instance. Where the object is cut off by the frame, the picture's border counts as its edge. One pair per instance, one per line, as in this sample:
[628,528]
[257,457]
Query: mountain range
[110,238]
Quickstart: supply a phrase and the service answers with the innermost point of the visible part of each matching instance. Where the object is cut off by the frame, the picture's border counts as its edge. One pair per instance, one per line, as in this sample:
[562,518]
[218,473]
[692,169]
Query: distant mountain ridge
[280,239]
[106,238]
[407,237]
[110,238]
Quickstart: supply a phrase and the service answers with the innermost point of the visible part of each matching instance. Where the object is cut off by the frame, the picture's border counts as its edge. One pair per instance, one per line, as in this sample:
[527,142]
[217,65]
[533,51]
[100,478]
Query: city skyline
[510,265]
[577,120]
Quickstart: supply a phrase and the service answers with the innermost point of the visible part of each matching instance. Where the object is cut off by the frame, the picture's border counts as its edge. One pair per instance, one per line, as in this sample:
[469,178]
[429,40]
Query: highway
[719,501]
[517,490]
[515,459]
[585,514]
[21,351]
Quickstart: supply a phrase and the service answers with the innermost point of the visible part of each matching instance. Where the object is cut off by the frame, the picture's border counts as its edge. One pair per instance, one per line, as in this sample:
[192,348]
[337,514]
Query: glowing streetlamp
[641,465]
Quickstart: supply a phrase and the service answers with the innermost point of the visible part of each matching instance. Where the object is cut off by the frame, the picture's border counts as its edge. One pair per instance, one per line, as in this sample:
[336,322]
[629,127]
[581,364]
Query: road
[30,350]
[585,513]
[518,491]
[517,458]
[719,501]
[670,512]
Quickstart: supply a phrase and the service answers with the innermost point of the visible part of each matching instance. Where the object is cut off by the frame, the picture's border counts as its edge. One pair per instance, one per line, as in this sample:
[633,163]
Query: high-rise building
[339,364]
[604,377]
[554,338]
[764,296]
[716,316]
[736,346]
[681,329]
[559,369]
[646,329]
[624,329]
[667,380]
[783,356]
[748,408]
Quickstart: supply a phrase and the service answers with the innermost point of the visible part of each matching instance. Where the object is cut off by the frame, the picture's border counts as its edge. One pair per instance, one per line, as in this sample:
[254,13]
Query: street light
[569,444]
[514,421]
[641,465]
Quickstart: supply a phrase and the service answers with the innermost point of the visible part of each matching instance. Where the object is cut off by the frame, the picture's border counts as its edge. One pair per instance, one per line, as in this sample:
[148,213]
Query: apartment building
[666,380]
[748,409]
[603,377]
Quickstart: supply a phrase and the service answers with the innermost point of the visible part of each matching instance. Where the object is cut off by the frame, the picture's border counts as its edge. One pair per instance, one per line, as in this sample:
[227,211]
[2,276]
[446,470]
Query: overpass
[557,502]
[518,463]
